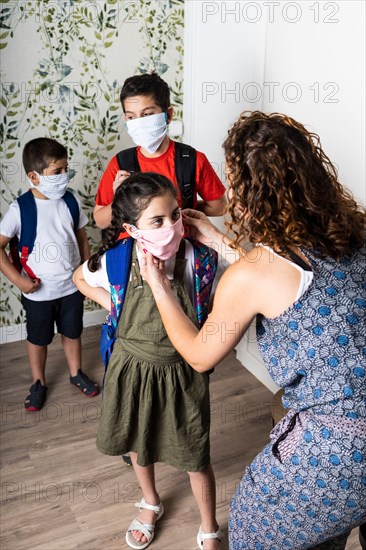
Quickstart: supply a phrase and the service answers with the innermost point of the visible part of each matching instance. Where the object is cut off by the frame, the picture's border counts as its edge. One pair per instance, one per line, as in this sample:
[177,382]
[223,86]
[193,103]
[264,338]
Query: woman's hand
[153,272]
[199,227]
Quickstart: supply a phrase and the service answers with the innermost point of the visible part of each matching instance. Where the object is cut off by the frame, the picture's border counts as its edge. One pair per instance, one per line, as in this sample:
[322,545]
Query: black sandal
[127,459]
[85,385]
[36,398]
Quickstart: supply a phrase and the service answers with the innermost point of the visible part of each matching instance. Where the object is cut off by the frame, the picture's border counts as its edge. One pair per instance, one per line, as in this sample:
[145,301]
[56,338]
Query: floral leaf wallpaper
[63,63]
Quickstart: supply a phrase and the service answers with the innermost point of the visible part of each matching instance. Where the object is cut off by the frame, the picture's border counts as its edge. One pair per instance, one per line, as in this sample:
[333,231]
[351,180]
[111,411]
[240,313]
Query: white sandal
[206,536]
[146,528]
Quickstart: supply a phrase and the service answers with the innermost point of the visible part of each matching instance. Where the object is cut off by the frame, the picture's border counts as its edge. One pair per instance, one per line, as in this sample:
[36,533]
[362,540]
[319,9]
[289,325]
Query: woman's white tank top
[306,276]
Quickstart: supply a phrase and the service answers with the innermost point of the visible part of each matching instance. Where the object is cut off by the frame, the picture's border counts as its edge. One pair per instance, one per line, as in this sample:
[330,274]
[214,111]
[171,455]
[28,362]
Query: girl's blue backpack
[118,269]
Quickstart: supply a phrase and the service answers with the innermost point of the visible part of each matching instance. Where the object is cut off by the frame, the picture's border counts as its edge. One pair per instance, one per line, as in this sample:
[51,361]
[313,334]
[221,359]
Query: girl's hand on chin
[153,272]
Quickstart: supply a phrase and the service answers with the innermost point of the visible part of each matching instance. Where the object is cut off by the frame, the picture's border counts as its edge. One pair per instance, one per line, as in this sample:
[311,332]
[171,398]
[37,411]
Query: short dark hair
[147,84]
[39,152]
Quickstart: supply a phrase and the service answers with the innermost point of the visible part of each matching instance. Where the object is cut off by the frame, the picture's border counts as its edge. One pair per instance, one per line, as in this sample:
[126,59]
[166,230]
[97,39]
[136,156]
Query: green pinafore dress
[154,403]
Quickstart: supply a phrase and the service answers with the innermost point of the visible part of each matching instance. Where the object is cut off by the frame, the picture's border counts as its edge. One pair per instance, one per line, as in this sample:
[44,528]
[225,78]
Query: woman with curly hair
[301,275]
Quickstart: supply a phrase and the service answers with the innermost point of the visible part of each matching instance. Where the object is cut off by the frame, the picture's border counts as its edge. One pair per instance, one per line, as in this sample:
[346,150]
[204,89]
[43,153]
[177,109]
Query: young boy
[48,293]
[146,105]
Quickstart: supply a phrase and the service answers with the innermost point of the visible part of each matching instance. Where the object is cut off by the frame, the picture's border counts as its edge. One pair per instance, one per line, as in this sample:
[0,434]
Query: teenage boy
[146,105]
[55,219]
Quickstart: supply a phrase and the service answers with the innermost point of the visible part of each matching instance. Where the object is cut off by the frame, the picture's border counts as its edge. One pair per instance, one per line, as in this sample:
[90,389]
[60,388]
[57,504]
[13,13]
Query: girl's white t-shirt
[100,278]
[55,253]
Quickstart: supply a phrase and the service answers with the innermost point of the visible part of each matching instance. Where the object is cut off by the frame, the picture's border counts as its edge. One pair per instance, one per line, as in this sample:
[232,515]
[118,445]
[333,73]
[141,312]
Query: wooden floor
[59,493]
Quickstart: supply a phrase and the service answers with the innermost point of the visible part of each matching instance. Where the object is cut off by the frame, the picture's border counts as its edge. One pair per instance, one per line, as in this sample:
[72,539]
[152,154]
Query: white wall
[323,56]
[224,66]
[305,59]
[220,54]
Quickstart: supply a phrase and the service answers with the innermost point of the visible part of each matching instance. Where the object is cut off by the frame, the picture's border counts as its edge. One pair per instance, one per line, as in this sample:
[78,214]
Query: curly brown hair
[285,191]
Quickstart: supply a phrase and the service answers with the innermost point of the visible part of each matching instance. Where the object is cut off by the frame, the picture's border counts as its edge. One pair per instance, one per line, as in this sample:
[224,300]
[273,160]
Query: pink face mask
[163,242]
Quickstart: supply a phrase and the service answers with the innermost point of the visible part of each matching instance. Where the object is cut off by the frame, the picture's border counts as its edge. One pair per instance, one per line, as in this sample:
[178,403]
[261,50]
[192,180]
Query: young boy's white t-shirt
[55,253]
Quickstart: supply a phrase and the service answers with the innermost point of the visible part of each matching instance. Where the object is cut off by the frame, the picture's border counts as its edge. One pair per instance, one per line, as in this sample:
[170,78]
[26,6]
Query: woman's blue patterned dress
[307,488]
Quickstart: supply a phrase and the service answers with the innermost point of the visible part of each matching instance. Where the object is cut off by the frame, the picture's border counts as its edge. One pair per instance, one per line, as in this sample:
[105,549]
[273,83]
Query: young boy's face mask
[163,243]
[53,187]
[148,131]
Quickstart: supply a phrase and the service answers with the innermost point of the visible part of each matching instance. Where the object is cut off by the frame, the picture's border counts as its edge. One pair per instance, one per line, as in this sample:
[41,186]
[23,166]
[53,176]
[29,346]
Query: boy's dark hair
[147,85]
[132,197]
[39,152]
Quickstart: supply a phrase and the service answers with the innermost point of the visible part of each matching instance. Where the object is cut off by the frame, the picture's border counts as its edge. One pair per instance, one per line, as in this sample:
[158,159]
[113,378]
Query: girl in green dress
[155,406]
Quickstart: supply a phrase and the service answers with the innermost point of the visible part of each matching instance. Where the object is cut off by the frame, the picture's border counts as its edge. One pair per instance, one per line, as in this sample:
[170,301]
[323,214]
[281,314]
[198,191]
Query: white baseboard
[17,333]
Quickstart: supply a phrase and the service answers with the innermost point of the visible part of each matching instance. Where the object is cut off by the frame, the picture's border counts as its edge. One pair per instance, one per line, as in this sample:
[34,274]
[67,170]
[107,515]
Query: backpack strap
[118,261]
[205,265]
[185,171]
[118,266]
[298,260]
[21,248]
[73,206]
[28,220]
[180,261]
[127,160]
[185,168]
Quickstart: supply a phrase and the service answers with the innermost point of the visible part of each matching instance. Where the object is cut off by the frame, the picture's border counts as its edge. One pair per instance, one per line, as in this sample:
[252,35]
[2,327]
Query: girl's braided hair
[130,199]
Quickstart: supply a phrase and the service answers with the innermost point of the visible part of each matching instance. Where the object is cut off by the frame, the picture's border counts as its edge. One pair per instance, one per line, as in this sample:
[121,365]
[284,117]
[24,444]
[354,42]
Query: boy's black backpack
[185,168]
[21,248]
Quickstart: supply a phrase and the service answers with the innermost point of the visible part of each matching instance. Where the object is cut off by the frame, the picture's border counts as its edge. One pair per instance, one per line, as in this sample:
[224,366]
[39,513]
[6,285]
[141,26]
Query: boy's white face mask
[148,131]
[53,187]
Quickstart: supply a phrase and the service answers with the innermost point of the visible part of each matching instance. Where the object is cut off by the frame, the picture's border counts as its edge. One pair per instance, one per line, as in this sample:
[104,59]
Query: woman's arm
[258,283]
[97,294]
[233,310]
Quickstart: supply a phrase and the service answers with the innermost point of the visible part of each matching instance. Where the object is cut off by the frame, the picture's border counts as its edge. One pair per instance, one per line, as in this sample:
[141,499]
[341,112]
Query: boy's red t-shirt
[208,185]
